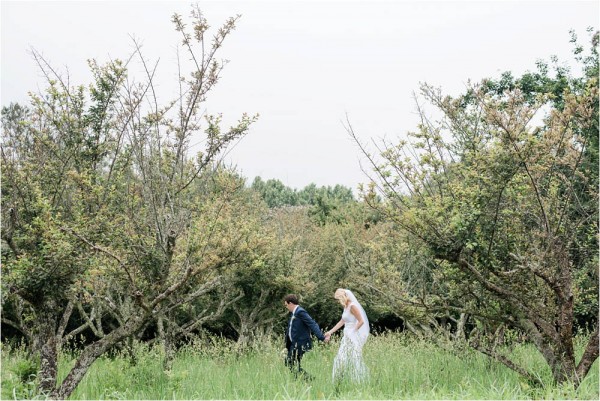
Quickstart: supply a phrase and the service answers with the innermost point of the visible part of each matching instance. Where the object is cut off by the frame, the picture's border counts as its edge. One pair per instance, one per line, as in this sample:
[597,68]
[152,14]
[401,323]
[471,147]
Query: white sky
[302,65]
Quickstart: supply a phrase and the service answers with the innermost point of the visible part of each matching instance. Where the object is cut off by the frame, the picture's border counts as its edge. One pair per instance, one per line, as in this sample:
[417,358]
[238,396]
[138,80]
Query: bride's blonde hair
[340,295]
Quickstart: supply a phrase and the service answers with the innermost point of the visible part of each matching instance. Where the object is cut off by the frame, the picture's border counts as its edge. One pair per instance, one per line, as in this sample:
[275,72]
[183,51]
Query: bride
[348,363]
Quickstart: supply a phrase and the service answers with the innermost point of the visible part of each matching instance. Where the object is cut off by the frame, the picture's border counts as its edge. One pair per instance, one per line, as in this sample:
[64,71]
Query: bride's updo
[340,295]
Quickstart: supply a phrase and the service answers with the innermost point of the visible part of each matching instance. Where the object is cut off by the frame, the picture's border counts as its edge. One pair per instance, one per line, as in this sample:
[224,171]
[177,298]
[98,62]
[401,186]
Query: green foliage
[25,370]
[556,84]
[19,373]
[276,194]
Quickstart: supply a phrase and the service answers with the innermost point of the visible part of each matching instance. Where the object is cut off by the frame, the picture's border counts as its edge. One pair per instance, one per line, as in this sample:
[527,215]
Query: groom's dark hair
[291,299]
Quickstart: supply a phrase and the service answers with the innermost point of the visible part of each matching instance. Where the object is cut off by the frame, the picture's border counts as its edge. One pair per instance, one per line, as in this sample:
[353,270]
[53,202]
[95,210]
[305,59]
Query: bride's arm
[336,327]
[357,315]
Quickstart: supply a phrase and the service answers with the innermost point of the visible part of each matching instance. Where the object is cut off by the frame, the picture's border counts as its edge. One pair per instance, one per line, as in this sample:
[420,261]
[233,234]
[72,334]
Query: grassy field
[400,368]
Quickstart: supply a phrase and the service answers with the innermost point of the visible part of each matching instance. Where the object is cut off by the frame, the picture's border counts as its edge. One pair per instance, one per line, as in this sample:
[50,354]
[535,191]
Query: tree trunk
[91,353]
[411,328]
[48,364]
[589,356]
[565,349]
[48,350]
[559,356]
[243,331]
[563,368]
[460,327]
[166,338]
[557,344]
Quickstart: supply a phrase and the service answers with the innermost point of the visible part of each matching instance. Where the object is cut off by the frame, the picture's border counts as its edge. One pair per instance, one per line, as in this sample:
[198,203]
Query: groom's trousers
[294,358]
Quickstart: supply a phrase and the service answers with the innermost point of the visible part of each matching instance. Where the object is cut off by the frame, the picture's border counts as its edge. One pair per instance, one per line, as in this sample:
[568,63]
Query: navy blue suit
[298,338]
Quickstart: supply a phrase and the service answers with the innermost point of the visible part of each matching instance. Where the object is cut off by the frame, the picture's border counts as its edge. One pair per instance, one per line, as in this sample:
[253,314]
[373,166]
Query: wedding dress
[348,363]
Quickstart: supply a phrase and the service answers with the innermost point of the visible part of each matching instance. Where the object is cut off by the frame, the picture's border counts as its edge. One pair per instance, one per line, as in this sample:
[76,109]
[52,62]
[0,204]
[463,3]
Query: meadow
[401,367]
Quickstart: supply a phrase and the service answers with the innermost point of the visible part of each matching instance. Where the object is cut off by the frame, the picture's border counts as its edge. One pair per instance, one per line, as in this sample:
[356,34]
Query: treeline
[481,227]
[277,194]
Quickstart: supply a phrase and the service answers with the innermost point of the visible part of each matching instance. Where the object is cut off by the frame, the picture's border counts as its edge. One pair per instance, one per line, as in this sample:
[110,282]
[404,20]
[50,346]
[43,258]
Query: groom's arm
[310,322]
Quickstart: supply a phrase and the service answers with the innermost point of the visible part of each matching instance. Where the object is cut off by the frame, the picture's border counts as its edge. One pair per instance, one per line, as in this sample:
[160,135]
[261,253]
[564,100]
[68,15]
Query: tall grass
[401,367]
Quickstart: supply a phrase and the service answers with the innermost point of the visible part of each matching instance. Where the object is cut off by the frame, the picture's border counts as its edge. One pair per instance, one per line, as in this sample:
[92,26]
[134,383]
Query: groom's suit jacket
[300,325]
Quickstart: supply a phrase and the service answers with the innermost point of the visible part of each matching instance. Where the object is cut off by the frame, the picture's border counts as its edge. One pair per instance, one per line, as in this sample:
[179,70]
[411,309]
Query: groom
[297,334]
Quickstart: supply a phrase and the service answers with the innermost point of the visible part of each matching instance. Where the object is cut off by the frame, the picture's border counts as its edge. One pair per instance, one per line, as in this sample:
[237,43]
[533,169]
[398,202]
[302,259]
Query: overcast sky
[302,65]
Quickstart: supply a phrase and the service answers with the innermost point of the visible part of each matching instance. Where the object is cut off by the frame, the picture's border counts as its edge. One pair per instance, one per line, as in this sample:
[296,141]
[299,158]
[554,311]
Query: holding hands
[328,335]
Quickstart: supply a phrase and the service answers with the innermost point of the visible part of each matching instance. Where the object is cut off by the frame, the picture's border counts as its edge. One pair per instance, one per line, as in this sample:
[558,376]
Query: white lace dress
[348,363]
